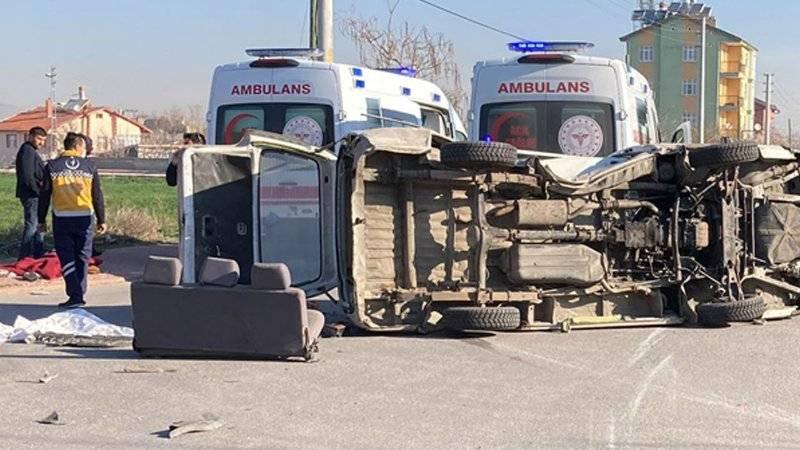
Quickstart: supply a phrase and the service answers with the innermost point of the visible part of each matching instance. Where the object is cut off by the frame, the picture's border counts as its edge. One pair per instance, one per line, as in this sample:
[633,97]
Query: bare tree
[431,54]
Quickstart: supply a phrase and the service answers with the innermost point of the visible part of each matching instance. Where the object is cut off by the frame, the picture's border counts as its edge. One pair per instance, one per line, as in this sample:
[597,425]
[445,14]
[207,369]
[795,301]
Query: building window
[690,53]
[691,118]
[11,140]
[646,53]
[689,87]
[98,116]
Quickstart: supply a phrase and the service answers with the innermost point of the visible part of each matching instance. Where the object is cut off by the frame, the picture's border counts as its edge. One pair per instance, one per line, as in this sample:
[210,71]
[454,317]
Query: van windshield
[570,128]
[311,123]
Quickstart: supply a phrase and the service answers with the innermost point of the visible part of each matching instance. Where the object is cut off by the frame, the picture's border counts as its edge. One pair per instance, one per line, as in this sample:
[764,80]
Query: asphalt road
[652,387]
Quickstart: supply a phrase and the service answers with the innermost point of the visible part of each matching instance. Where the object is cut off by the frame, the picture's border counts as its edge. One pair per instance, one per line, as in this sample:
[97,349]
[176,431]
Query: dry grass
[132,223]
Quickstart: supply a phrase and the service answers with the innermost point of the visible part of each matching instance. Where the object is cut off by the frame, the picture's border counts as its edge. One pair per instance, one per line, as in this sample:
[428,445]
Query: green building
[666,49]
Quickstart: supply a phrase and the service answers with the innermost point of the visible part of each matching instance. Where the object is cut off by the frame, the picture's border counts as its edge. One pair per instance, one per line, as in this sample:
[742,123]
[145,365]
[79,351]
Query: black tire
[719,155]
[463,318]
[720,314]
[479,155]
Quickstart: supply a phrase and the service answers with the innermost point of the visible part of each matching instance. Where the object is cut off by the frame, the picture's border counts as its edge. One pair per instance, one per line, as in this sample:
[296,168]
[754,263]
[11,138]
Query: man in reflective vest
[72,185]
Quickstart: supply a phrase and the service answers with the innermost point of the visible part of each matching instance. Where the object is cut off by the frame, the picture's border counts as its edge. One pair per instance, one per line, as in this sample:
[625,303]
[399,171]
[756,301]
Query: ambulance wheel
[720,155]
[479,155]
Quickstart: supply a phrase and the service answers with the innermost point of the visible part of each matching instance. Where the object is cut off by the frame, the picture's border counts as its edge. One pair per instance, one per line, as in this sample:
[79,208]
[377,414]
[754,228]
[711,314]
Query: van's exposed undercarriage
[463,237]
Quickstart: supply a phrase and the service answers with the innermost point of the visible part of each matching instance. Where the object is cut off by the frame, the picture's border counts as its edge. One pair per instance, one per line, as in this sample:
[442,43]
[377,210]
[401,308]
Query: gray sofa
[267,319]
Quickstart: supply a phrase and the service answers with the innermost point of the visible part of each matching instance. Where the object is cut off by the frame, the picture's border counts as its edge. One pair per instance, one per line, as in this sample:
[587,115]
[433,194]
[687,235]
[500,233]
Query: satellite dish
[757,127]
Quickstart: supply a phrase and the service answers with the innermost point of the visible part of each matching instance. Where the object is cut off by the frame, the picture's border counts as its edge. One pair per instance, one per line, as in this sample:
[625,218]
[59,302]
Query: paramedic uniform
[72,185]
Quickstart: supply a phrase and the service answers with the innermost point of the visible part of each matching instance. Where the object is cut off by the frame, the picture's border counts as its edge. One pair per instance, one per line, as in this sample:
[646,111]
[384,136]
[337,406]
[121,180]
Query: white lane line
[646,345]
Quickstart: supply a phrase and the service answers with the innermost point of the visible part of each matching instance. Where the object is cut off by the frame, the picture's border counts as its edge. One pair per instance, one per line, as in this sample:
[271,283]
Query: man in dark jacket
[72,185]
[30,174]
[189,140]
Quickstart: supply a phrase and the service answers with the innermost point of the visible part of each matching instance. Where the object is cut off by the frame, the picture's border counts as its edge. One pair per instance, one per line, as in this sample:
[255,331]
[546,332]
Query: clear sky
[150,54]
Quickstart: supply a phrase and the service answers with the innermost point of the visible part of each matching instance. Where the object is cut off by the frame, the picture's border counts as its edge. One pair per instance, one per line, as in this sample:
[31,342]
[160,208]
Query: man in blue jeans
[30,174]
[72,185]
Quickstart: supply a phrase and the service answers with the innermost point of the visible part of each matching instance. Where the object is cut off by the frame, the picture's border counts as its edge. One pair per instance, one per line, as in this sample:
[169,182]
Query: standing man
[189,139]
[72,183]
[30,174]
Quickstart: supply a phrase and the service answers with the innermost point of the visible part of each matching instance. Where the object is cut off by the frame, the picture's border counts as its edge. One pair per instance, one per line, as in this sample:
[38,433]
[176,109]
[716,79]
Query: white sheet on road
[75,322]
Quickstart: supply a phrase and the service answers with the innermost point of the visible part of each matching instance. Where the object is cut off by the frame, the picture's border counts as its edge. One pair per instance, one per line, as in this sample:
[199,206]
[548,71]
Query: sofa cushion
[270,276]
[219,272]
[162,270]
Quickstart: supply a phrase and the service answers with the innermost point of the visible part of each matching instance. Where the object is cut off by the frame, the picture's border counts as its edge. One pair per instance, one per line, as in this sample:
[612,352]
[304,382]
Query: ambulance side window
[374,113]
[643,120]
[436,120]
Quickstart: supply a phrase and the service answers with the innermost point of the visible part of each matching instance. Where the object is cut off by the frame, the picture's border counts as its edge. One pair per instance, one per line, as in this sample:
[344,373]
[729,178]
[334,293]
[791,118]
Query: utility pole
[321,29]
[703,83]
[52,76]
[768,111]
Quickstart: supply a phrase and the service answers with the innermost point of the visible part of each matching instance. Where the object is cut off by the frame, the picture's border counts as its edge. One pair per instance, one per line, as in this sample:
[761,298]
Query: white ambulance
[286,91]
[553,100]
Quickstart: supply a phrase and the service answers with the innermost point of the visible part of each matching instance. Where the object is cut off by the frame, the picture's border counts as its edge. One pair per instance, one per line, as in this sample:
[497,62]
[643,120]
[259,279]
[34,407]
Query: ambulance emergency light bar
[407,71]
[557,46]
[284,52]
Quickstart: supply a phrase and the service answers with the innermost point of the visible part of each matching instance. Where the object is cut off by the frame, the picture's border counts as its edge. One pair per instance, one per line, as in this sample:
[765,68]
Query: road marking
[643,388]
[646,345]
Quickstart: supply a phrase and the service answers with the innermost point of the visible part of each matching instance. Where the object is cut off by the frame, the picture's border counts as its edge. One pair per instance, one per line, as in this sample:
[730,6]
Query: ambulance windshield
[566,127]
[310,123]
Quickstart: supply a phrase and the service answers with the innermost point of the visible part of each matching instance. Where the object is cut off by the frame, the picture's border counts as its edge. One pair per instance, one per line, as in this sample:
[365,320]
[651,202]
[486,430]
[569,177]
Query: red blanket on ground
[48,266]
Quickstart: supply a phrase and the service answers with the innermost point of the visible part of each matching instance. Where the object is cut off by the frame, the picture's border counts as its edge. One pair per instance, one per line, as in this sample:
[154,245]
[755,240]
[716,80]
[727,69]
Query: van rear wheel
[479,155]
[462,318]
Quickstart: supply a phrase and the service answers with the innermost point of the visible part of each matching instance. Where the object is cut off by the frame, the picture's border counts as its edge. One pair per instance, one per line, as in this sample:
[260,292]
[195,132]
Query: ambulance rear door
[560,107]
[300,102]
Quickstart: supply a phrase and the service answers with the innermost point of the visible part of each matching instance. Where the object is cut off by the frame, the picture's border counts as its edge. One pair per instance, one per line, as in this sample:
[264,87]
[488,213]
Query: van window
[311,123]
[572,128]
[289,212]
[643,121]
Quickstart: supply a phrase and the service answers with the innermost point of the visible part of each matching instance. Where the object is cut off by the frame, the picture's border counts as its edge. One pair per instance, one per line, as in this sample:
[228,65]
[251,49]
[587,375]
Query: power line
[602,8]
[474,21]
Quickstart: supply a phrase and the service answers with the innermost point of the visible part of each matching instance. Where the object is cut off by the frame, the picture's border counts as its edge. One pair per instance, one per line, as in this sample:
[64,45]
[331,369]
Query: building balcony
[730,102]
[732,69]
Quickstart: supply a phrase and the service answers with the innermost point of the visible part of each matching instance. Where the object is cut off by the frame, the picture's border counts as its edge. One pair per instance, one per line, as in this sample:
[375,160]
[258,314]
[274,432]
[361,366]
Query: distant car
[420,233]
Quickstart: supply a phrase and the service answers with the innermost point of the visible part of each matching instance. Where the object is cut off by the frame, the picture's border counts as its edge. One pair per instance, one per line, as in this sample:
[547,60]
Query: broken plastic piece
[209,422]
[52,419]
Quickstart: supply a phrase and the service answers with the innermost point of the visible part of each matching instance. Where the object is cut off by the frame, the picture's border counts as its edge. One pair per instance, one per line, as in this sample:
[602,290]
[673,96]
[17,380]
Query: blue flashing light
[406,91]
[361,84]
[487,138]
[437,98]
[540,46]
[407,71]
[357,72]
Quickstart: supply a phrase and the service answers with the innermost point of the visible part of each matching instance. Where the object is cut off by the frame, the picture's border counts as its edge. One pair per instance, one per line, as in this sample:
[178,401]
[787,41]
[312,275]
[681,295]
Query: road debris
[142,369]
[209,422]
[47,377]
[52,419]
[39,293]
